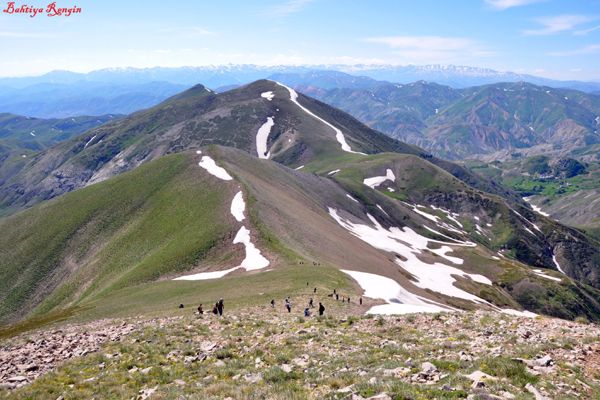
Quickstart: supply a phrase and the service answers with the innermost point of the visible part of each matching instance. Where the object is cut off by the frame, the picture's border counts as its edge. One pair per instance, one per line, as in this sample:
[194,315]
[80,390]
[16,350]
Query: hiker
[360,301]
[321,309]
[215,309]
[343,299]
[306,283]
[272,303]
[307,312]
[200,310]
[348,299]
[288,305]
[334,292]
[310,303]
[337,296]
[220,307]
[315,290]
[181,306]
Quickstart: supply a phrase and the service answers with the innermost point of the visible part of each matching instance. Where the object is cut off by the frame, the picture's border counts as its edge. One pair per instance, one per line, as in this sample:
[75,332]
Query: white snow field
[267,95]
[399,300]
[209,164]
[262,136]
[238,206]
[409,244]
[378,180]
[338,133]
[541,273]
[253,260]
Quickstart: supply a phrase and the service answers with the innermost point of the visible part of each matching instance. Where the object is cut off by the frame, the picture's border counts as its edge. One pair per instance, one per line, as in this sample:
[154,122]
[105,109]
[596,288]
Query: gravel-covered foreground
[263,353]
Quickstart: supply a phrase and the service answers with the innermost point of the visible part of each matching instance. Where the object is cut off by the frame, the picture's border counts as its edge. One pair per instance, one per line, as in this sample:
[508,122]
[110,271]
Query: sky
[557,39]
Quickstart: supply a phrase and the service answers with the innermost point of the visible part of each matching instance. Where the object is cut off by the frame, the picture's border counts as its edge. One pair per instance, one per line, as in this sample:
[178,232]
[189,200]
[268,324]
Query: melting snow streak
[338,133]
[262,137]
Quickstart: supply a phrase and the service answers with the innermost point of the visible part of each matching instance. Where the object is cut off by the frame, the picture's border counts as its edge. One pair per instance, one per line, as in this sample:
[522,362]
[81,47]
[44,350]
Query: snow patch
[253,260]
[541,273]
[299,168]
[399,300]
[557,264]
[267,95]
[338,133]
[382,210]
[535,208]
[378,180]
[334,172]
[352,198]
[262,136]
[205,275]
[407,243]
[517,313]
[209,164]
[89,141]
[238,206]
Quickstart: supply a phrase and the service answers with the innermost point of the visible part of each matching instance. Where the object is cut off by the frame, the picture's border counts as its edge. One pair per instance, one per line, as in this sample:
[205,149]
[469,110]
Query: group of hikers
[307,312]
[218,308]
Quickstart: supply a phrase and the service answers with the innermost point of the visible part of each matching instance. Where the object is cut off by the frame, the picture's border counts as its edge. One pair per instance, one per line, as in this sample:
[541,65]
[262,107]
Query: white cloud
[558,24]
[287,8]
[590,49]
[426,49]
[584,32]
[504,4]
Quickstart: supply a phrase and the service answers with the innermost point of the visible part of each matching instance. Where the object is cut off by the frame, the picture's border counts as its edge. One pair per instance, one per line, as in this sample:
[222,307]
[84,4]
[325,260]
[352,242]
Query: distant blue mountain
[61,94]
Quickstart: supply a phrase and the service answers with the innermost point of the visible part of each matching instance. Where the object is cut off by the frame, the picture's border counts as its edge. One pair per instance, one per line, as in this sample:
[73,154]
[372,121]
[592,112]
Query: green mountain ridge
[124,215]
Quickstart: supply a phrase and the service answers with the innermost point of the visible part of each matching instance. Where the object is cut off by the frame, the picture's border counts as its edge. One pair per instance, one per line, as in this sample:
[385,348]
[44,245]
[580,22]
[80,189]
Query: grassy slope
[140,226]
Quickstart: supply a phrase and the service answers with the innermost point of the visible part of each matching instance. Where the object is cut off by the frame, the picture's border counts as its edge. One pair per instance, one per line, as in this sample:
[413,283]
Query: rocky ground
[263,353]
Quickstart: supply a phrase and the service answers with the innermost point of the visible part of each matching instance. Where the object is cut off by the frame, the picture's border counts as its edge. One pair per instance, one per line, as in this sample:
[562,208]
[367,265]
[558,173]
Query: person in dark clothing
[200,310]
[315,290]
[215,309]
[343,299]
[348,299]
[288,305]
[272,303]
[321,309]
[334,292]
[360,301]
[307,312]
[220,307]
[310,303]
[337,296]
[181,306]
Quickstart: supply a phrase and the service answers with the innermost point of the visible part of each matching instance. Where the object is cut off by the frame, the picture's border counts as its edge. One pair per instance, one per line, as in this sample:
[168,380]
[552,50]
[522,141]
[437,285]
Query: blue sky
[552,38]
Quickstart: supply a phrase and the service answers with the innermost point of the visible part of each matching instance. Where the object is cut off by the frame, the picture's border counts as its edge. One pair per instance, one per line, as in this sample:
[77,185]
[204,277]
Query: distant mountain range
[223,75]
[123,90]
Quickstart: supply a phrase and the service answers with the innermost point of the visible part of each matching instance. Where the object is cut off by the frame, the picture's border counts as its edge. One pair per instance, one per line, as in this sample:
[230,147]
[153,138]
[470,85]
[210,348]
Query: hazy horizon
[555,39]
